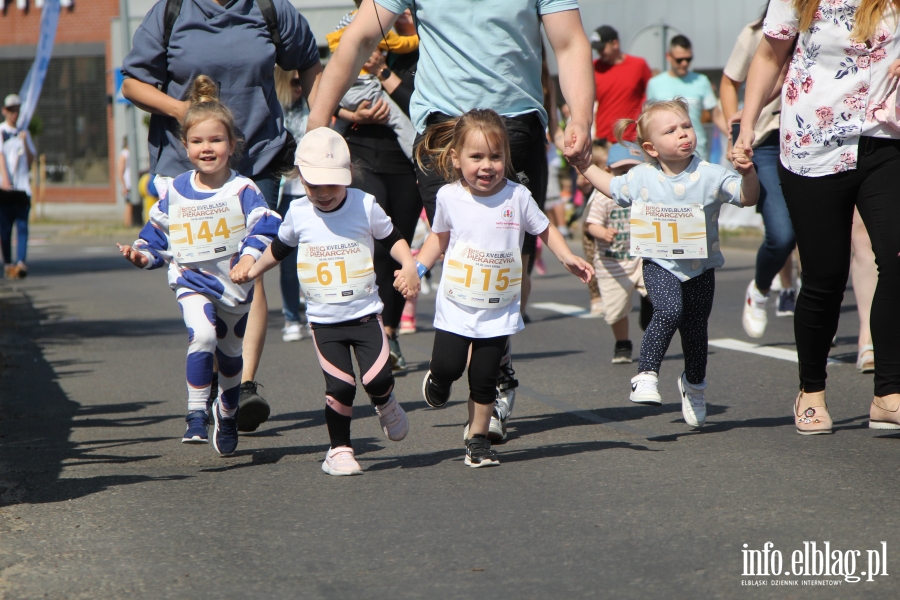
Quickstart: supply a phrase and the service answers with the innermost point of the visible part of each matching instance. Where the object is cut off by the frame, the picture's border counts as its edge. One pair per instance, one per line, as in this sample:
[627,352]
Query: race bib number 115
[483,278]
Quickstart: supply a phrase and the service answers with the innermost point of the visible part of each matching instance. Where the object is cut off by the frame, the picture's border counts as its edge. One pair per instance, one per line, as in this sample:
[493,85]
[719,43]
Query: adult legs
[7,218]
[22,211]
[864,273]
[779,233]
[290,285]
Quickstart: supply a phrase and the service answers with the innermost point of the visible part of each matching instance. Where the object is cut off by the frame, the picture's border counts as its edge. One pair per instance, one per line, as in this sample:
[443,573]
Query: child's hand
[742,164]
[579,267]
[609,235]
[133,256]
[410,275]
[240,273]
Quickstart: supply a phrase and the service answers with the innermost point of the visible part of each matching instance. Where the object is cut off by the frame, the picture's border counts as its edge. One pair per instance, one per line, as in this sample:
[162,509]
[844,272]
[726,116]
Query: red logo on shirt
[507,214]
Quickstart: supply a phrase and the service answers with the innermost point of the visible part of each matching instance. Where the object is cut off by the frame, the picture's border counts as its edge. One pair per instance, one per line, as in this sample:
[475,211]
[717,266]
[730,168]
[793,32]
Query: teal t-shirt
[693,87]
[478,54]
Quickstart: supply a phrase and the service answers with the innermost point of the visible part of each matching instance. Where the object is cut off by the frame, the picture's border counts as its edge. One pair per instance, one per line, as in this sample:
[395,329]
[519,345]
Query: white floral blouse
[833,86]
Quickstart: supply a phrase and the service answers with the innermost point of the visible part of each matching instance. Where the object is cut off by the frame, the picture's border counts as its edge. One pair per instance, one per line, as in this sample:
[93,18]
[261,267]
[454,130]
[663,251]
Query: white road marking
[771,352]
[565,309]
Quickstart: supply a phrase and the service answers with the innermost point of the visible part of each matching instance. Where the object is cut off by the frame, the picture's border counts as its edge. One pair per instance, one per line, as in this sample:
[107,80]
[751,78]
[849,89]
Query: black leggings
[448,362]
[678,305]
[821,211]
[333,342]
[398,195]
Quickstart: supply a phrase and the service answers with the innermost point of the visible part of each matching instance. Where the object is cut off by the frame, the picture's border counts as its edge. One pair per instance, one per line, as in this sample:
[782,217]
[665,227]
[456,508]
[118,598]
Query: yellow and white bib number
[659,231]
[483,278]
[206,229]
[336,272]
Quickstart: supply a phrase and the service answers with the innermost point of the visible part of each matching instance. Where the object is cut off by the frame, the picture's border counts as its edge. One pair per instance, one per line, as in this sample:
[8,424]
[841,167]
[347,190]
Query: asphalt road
[595,497]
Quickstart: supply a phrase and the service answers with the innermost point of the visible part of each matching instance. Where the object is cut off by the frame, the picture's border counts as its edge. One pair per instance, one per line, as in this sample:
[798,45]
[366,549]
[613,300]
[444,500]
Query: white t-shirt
[126,175]
[359,219]
[16,158]
[497,222]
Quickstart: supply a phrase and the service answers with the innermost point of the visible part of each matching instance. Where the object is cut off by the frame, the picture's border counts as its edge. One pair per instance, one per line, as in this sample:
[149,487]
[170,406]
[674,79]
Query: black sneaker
[398,363]
[622,353]
[435,394]
[479,453]
[254,410]
[787,301]
[646,312]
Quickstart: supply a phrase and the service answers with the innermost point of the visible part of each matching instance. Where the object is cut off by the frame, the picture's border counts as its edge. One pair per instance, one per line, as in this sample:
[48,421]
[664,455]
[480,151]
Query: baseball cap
[324,158]
[602,35]
[12,100]
[621,155]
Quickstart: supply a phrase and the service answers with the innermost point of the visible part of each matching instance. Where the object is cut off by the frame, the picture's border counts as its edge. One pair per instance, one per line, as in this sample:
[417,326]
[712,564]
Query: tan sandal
[882,418]
[865,360]
[813,421]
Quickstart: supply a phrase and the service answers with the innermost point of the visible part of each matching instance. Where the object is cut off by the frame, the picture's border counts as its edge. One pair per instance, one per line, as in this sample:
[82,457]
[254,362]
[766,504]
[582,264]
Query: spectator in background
[133,213]
[680,81]
[15,188]
[620,81]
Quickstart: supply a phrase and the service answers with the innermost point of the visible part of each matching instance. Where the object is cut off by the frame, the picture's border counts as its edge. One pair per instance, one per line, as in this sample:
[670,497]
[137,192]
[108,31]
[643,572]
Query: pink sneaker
[340,461]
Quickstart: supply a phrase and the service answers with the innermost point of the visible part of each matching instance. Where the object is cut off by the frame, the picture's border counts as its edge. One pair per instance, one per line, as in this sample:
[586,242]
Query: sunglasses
[685,60]
[295,82]
[12,108]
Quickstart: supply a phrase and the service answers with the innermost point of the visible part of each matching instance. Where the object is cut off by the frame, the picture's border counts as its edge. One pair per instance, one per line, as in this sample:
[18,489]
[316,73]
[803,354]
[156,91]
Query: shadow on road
[36,418]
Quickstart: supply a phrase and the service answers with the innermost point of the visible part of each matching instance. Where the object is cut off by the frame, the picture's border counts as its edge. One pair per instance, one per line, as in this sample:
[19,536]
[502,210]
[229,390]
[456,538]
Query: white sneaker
[292,331]
[597,311]
[755,319]
[645,389]
[340,461]
[394,421]
[693,402]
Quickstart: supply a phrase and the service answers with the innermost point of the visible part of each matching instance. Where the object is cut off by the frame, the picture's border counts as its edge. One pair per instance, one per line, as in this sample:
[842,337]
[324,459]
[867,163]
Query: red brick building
[76,118]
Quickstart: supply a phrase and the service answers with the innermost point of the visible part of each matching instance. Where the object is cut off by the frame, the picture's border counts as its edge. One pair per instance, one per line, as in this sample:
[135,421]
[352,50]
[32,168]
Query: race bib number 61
[336,272]
[483,278]
[659,231]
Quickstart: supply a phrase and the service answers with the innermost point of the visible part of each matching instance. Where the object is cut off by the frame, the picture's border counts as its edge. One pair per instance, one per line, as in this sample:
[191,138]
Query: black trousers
[529,159]
[821,210]
[448,362]
[398,195]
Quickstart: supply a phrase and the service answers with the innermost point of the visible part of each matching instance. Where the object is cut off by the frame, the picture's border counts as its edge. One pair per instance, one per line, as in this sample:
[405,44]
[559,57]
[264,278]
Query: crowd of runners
[421,143]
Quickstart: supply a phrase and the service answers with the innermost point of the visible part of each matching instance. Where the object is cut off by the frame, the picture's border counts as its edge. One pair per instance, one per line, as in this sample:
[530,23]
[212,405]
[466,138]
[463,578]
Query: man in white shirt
[15,188]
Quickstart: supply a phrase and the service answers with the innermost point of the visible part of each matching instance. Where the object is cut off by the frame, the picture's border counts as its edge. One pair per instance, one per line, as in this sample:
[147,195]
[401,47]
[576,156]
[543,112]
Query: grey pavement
[595,497]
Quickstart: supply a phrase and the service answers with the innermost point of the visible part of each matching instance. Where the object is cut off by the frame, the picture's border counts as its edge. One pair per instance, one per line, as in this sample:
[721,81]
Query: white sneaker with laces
[693,401]
[340,461]
[292,331]
[755,319]
[645,389]
[394,421]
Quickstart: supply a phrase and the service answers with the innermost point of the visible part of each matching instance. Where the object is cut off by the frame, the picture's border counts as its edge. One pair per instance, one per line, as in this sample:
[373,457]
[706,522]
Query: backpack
[173,9]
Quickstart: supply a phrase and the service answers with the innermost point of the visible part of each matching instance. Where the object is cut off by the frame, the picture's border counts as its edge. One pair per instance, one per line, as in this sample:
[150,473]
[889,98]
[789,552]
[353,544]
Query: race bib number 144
[206,229]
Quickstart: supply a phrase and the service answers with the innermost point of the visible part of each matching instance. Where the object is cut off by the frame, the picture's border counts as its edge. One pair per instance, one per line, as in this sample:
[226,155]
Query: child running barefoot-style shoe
[435,394]
[340,461]
[754,319]
[225,432]
[394,421]
[197,431]
[645,389]
[787,302]
[693,401]
[254,410]
[479,453]
[622,353]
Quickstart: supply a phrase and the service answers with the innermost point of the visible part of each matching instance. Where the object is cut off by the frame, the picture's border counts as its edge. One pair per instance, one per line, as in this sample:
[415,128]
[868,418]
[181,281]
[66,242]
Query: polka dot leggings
[684,306]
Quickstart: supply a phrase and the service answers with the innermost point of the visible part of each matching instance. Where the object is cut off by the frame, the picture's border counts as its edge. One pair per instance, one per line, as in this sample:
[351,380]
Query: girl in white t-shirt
[334,229]
[479,225]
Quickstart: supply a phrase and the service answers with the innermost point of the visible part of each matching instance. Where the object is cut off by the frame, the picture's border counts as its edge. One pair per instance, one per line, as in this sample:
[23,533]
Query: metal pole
[665,39]
[134,196]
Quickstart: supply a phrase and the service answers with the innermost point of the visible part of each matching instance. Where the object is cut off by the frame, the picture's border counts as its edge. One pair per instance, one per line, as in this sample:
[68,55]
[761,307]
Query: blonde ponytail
[865,21]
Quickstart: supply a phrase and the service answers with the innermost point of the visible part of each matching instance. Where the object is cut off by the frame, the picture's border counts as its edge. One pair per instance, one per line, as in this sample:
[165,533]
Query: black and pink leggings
[448,362]
[682,306]
[333,342]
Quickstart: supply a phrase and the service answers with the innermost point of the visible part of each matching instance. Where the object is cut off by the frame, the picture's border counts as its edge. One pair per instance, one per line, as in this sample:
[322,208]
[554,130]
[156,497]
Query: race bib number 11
[206,229]
[483,278]
[659,231]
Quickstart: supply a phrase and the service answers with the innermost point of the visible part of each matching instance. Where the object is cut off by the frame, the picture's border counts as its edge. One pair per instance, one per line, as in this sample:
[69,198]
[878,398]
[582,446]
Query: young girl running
[335,228]
[675,200]
[210,225]
[479,226]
